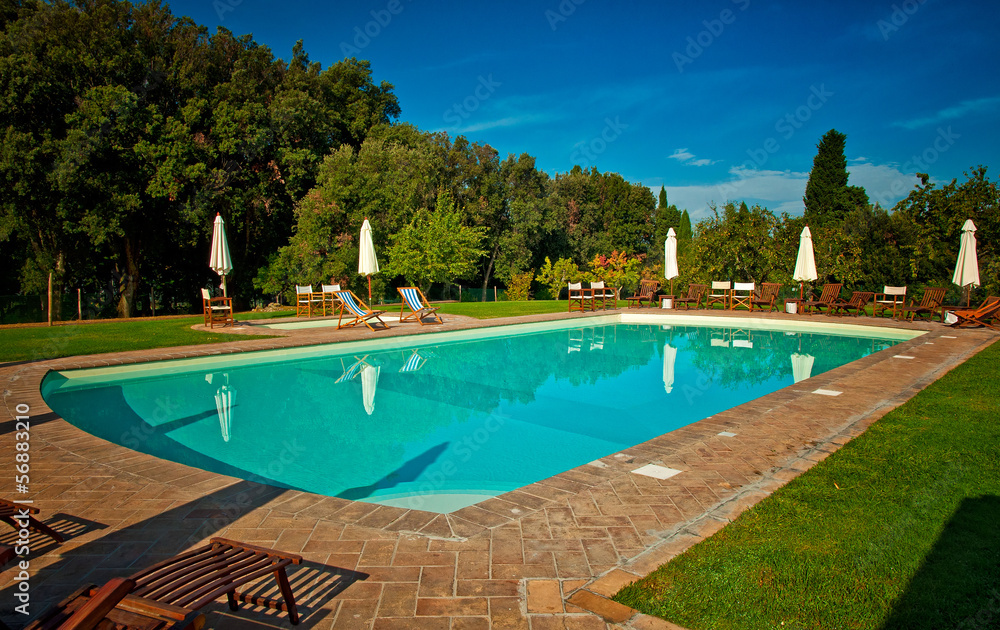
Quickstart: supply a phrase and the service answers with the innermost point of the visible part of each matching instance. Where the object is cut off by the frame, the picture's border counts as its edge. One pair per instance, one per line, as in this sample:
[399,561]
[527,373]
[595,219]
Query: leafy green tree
[667,216]
[684,234]
[435,247]
[736,245]
[828,198]
[555,276]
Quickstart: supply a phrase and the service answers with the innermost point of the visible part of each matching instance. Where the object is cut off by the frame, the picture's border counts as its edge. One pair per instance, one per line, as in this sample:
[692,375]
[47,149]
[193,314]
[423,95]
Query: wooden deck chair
[603,294]
[111,606]
[647,293]
[766,297]
[829,297]
[857,303]
[413,298]
[357,310]
[695,294]
[988,310]
[929,305]
[328,298]
[6,554]
[719,295]
[306,301]
[580,299]
[742,295]
[218,310]
[20,516]
[889,299]
[198,577]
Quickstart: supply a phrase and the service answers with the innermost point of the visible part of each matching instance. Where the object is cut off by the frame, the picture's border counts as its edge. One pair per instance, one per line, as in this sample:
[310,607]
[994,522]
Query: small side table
[798,305]
[666,301]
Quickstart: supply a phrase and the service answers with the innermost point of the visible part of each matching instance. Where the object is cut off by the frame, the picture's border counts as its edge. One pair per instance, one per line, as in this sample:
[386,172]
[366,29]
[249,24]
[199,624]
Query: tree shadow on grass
[958,585]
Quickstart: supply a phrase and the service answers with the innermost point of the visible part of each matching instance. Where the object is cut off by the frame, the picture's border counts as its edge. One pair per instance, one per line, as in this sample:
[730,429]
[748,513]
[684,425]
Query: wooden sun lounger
[829,297]
[858,302]
[413,298]
[647,293]
[695,294]
[929,305]
[988,310]
[198,577]
[111,606]
[11,513]
[357,310]
[767,297]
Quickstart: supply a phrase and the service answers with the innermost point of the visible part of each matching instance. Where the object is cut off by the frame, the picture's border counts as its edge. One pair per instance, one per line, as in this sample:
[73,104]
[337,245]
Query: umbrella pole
[224,287]
[369,291]
[800,291]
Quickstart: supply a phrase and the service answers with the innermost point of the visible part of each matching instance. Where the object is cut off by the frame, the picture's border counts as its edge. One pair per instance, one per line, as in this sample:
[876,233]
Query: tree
[667,216]
[684,234]
[828,198]
[435,247]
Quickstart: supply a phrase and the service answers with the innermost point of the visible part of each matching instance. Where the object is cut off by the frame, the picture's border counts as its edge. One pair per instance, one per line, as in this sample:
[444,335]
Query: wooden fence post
[50,298]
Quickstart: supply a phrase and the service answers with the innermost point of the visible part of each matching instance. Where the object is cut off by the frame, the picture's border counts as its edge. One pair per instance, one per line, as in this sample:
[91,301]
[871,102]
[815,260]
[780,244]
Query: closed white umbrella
[219,261]
[802,366]
[805,262]
[367,262]
[369,381]
[967,268]
[224,405]
[670,258]
[669,358]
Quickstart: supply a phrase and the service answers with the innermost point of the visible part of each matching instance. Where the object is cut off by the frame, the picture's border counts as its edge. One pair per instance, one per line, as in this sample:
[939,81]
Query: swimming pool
[438,422]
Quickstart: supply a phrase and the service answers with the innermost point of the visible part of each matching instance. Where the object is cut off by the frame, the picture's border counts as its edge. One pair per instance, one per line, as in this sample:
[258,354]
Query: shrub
[520,285]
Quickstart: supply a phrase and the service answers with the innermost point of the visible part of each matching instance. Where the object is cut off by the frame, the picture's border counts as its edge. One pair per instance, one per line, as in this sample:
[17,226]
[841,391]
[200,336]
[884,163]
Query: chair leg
[286,594]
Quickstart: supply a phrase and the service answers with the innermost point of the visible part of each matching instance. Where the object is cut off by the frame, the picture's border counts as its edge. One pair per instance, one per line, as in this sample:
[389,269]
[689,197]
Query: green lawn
[898,529]
[489,310]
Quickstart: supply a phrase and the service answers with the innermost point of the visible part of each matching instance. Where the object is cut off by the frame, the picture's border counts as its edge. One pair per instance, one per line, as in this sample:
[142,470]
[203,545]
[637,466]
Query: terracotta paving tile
[507,562]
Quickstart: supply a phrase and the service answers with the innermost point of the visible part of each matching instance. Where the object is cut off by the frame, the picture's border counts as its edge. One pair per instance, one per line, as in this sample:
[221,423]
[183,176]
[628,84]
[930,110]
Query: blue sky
[717,100]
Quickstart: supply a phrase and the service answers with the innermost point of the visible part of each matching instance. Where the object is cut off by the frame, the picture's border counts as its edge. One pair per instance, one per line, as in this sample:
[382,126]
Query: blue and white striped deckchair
[356,309]
[413,298]
[413,363]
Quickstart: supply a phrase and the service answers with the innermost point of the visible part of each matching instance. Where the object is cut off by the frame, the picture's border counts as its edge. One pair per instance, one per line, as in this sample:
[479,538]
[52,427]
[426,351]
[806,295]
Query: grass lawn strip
[897,529]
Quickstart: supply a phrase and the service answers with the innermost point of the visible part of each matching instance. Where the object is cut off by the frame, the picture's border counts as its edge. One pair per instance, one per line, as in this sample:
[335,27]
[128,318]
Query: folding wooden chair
[328,298]
[889,300]
[413,298]
[603,293]
[742,295]
[306,301]
[20,516]
[988,310]
[218,310]
[580,299]
[719,295]
[857,303]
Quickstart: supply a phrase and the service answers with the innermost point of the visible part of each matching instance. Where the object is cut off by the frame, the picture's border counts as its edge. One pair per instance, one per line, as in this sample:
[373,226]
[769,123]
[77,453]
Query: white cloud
[951,113]
[884,183]
[686,157]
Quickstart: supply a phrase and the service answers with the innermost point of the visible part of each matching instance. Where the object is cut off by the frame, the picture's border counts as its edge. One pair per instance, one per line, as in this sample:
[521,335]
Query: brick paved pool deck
[541,557]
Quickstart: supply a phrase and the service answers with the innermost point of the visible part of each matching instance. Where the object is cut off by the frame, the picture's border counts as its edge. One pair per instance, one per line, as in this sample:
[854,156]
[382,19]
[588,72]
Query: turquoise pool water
[441,424]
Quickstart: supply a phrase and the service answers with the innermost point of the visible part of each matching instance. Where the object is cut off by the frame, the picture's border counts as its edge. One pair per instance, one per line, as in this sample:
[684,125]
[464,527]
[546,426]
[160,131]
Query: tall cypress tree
[828,198]
[684,233]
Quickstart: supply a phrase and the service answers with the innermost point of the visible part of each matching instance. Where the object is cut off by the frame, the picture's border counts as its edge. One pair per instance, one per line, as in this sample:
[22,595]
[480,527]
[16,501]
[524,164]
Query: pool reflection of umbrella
[805,262]
[670,258]
[219,261]
[367,262]
[224,405]
[802,366]
[967,268]
[369,381]
[669,358]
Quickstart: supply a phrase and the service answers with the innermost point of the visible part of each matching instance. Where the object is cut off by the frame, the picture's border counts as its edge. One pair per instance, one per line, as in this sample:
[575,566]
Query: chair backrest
[331,288]
[696,290]
[205,295]
[597,285]
[412,297]
[304,289]
[769,291]
[860,298]
[830,292]
[648,287]
[989,306]
[349,301]
[721,286]
[933,297]
[743,286]
[574,286]
[887,290]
